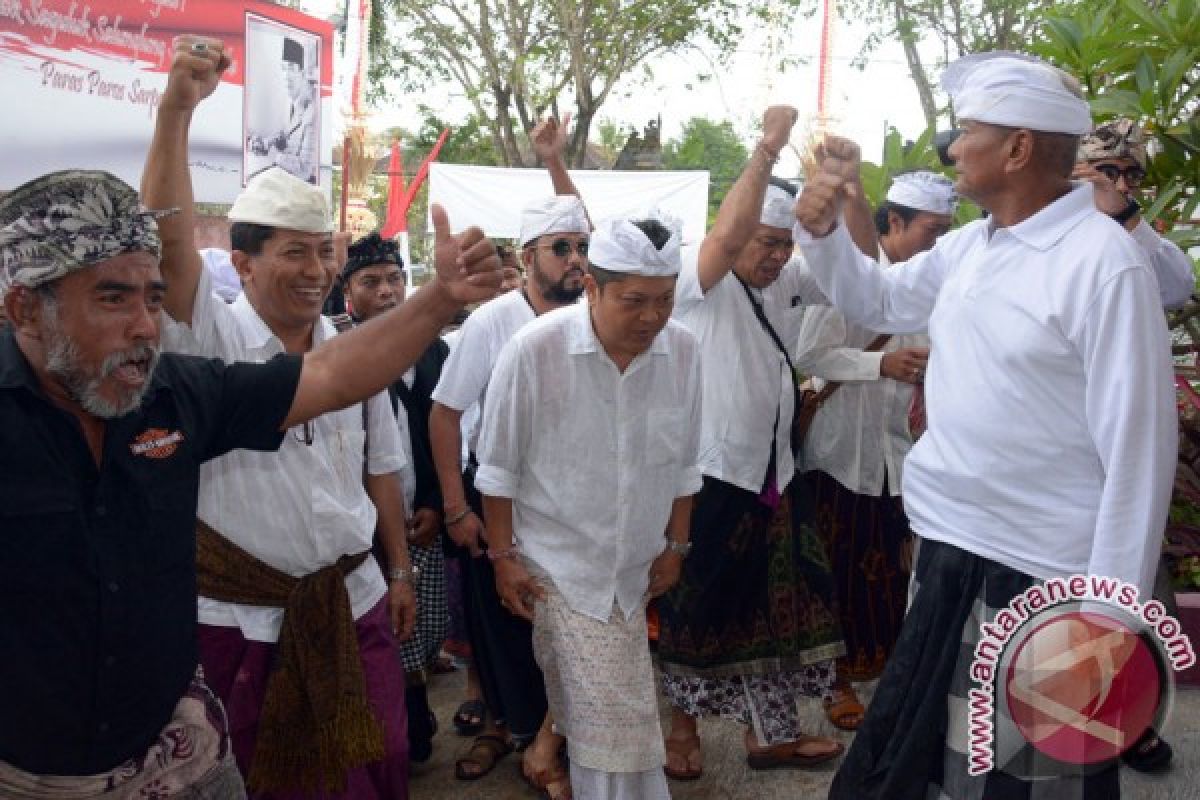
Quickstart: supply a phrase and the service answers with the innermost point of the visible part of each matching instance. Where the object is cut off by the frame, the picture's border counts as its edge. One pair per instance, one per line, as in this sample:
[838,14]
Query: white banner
[492,197]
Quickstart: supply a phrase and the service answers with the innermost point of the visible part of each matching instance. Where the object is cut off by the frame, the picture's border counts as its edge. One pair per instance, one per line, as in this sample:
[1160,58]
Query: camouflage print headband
[1121,138]
[69,220]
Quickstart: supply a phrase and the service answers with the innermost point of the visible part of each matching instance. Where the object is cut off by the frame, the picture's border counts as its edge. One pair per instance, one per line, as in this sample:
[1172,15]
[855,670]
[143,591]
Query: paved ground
[727,778]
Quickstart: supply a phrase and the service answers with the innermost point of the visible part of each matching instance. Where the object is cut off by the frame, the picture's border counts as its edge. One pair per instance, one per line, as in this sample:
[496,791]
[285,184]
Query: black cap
[369,251]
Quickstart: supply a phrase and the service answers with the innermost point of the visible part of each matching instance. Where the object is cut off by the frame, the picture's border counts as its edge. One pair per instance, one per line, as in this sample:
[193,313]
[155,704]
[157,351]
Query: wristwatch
[1126,215]
[403,575]
[679,548]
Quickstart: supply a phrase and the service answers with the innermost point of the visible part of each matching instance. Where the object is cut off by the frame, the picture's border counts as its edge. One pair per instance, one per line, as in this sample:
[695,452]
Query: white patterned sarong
[600,686]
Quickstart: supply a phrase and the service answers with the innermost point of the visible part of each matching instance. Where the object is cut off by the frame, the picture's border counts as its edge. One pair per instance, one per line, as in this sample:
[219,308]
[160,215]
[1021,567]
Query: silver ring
[199,48]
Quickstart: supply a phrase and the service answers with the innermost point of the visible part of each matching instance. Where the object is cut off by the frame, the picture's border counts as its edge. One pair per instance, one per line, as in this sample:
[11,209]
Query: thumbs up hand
[466,264]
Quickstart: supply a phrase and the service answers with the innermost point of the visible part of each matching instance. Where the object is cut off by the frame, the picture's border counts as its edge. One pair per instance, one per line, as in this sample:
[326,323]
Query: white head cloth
[226,283]
[276,198]
[562,213]
[779,208]
[924,191]
[617,245]
[1016,91]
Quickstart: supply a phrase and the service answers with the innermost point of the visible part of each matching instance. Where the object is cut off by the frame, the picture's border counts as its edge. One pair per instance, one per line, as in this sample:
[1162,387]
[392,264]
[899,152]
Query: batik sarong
[190,760]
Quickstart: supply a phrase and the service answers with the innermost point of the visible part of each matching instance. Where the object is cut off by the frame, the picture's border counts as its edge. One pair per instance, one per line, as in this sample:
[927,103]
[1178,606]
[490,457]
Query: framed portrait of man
[281,119]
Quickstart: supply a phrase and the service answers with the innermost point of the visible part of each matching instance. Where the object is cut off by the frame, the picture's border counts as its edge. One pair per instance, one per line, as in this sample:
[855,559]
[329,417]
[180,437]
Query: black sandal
[470,717]
[1149,754]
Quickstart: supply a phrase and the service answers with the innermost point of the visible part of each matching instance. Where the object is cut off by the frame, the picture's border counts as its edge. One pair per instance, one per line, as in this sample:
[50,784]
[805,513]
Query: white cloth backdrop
[492,197]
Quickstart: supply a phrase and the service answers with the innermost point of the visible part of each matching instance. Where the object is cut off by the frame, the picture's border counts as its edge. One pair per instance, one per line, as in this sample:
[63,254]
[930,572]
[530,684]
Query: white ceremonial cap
[279,199]
[779,208]
[923,191]
[617,245]
[561,213]
[1017,91]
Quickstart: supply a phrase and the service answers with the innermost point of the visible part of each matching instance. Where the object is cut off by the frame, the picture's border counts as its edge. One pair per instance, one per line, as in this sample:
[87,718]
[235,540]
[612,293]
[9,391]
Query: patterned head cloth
[66,221]
[1121,138]
[370,250]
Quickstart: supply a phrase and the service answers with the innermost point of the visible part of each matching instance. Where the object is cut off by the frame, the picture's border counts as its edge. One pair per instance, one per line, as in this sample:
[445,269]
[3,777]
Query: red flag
[397,208]
[400,199]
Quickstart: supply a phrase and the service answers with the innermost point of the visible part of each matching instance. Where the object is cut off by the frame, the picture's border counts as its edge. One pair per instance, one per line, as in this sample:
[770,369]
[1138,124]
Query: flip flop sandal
[786,756]
[553,785]
[683,749]
[846,712]
[484,753]
[469,718]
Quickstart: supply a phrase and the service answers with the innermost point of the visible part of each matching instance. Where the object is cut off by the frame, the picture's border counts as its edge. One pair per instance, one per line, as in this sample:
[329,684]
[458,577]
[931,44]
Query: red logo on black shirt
[156,443]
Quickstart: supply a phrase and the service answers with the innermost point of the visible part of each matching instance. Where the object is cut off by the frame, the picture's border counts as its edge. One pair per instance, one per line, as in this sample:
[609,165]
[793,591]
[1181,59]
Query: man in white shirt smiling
[620,381]
[1051,442]
[302,512]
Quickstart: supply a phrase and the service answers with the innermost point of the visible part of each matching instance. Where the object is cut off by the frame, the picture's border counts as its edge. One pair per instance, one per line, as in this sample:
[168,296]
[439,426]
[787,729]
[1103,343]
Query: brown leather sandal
[485,751]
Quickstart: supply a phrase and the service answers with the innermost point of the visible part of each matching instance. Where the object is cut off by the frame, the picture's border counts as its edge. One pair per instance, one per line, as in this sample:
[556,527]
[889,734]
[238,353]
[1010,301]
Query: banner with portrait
[80,81]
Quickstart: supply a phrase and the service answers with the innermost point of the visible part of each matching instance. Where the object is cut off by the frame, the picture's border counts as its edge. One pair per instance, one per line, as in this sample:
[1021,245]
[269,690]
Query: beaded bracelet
[457,518]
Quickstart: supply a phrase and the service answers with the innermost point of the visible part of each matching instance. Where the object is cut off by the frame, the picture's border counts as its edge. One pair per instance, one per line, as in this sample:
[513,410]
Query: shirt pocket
[664,436]
[168,530]
[40,531]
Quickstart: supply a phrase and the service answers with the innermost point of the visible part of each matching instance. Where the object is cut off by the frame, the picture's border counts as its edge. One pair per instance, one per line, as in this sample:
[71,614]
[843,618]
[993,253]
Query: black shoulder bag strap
[766,323]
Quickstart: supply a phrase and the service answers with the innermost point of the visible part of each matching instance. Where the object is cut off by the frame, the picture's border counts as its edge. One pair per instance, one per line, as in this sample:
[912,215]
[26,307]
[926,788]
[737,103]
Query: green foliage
[1139,60]
[900,156]
[516,60]
[713,146]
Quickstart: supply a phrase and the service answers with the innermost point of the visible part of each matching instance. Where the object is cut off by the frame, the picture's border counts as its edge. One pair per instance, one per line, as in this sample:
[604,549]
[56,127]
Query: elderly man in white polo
[1051,442]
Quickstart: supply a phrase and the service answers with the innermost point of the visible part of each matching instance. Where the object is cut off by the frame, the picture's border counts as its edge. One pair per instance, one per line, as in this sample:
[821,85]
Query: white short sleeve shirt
[303,507]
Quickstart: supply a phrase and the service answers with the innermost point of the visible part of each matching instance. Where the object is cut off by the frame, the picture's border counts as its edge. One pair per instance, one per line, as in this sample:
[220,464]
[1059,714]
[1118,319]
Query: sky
[863,102]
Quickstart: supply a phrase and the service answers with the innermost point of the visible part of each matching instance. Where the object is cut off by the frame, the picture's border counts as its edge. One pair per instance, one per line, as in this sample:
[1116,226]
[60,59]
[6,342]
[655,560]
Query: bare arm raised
[549,140]
[349,367]
[738,217]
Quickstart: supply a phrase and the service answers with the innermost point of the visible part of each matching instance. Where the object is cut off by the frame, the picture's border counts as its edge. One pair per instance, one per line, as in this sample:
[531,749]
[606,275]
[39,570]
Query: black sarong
[902,751]
[755,595]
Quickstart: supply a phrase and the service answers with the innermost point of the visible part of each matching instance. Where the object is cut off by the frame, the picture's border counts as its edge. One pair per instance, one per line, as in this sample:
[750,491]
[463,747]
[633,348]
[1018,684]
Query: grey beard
[82,386]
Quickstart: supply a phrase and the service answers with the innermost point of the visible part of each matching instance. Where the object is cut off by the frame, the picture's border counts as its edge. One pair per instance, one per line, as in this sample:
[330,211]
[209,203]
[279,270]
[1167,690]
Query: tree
[957,27]
[516,60]
[713,146]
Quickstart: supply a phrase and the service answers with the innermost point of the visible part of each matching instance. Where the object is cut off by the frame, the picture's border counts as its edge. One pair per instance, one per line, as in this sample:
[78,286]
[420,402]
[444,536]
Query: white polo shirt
[303,507]
[592,457]
[1052,425]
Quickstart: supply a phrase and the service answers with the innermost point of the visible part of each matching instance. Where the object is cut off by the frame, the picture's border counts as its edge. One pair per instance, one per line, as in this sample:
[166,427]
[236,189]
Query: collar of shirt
[16,372]
[1046,228]
[582,335]
[259,336]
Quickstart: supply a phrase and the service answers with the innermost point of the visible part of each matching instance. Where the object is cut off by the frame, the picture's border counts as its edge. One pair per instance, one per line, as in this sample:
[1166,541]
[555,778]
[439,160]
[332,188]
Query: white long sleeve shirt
[303,507]
[860,435]
[1052,427]
[592,457]
[468,368]
[748,392]
[1170,265]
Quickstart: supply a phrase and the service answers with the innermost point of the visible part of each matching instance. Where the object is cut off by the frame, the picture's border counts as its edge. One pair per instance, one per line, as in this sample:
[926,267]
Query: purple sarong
[237,669]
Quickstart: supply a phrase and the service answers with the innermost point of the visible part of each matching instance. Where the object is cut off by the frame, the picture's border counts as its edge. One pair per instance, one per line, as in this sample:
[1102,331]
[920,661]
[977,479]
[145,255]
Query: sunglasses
[1133,175]
[562,247]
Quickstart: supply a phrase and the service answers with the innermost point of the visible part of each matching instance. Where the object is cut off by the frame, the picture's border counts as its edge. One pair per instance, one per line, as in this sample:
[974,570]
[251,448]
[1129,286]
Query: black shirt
[97,566]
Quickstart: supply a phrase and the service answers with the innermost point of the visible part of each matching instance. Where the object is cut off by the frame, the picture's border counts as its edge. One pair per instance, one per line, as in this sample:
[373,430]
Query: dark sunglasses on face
[562,248]
[1133,175]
